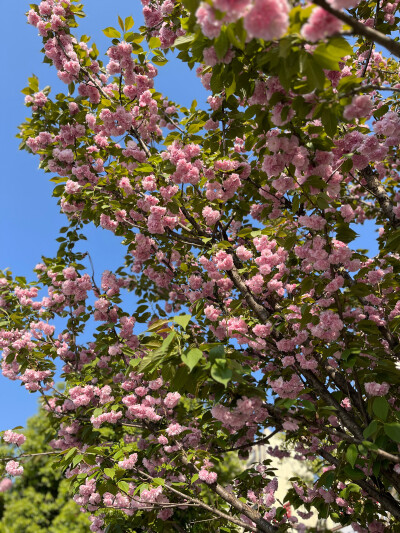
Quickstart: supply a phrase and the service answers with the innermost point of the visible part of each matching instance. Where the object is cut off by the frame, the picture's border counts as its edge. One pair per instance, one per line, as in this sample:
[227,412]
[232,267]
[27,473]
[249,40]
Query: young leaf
[352,454]
[392,431]
[222,374]
[380,407]
[111,32]
[192,357]
[182,320]
[129,23]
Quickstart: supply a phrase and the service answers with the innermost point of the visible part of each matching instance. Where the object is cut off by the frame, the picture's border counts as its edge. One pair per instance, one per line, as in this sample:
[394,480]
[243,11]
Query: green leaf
[233,38]
[183,42]
[371,429]
[220,373]
[329,120]
[352,454]
[129,22]
[166,343]
[134,38]
[231,89]
[327,479]
[70,453]
[345,234]
[77,459]
[121,23]
[192,357]
[111,32]
[339,47]
[380,407]
[308,405]
[110,472]
[158,324]
[353,473]
[217,352]
[123,485]
[324,58]
[315,74]
[348,82]
[316,181]
[381,111]
[144,168]
[182,320]
[154,42]
[347,165]
[159,60]
[221,44]
[392,431]
[34,83]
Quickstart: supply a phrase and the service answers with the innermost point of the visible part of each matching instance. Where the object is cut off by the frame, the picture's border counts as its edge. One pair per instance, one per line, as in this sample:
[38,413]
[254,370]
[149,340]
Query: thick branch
[374,186]
[258,309]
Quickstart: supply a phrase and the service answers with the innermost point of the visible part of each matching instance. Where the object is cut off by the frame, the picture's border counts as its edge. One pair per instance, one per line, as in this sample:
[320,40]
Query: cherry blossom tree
[254,309]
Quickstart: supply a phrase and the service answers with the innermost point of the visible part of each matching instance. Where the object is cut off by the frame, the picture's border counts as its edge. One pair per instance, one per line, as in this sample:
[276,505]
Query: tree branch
[374,186]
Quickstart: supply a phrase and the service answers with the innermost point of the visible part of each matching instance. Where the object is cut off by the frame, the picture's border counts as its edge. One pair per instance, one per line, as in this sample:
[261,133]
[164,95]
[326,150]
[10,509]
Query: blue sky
[29,216]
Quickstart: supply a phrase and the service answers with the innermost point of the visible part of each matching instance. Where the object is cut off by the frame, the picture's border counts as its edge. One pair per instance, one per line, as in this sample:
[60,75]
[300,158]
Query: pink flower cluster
[129,463]
[376,389]
[13,438]
[248,412]
[320,24]
[14,469]
[5,484]
[361,106]
[112,418]
[208,477]
[287,389]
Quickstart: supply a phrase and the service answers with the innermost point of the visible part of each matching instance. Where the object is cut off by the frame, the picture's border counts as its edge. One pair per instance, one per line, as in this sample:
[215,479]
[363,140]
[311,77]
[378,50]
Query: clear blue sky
[29,216]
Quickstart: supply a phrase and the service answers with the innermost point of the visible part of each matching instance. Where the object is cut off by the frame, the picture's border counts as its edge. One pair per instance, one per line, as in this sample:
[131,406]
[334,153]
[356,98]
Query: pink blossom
[14,469]
[5,484]
[347,212]
[287,389]
[211,215]
[212,313]
[174,429]
[223,260]
[14,438]
[232,6]
[128,463]
[320,24]
[210,25]
[376,389]
[268,19]
[172,399]
[243,253]
[314,221]
[361,106]
[207,477]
